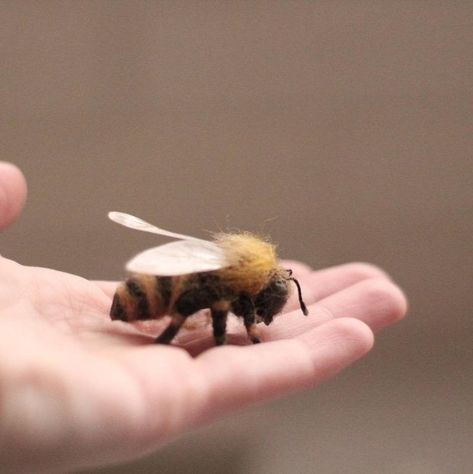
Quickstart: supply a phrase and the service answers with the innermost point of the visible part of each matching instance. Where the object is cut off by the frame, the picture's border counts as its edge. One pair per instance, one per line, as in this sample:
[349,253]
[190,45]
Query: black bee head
[272,298]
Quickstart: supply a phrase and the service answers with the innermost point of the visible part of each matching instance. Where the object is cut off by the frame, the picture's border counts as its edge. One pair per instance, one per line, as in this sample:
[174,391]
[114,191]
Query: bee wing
[136,223]
[179,258]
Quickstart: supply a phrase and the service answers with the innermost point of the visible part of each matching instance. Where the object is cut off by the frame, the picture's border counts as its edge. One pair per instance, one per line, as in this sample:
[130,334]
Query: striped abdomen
[143,297]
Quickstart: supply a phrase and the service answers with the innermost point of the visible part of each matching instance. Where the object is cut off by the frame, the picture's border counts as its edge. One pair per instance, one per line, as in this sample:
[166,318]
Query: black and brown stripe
[143,297]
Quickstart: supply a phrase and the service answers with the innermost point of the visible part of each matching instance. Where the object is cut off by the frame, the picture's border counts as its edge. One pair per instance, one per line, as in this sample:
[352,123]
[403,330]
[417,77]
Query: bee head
[272,298]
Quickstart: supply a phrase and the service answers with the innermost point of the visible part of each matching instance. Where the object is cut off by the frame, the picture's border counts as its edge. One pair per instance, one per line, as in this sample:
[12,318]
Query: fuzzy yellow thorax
[252,261]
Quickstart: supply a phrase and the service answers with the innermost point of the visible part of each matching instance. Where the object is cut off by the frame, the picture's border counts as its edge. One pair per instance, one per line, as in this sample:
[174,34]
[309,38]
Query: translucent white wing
[136,223]
[179,258]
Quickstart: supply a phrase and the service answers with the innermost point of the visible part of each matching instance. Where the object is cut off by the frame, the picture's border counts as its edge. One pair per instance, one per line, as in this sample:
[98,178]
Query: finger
[182,392]
[237,376]
[322,283]
[376,301]
[12,193]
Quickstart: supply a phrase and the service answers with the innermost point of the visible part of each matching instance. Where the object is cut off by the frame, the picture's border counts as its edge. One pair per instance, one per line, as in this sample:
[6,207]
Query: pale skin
[77,389]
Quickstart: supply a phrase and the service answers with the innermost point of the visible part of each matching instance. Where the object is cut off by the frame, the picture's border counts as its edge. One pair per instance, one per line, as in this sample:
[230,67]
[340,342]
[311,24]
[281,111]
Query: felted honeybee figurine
[236,272]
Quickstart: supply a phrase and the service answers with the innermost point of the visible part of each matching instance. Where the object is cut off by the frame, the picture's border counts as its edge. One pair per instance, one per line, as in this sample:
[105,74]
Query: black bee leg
[168,334]
[251,328]
[219,323]
[245,307]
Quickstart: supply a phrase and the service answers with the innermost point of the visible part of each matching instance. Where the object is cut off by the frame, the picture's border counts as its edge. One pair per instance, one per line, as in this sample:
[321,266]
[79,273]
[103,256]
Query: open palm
[77,389]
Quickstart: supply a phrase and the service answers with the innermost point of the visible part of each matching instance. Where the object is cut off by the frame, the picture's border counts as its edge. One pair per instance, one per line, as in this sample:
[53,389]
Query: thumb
[12,193]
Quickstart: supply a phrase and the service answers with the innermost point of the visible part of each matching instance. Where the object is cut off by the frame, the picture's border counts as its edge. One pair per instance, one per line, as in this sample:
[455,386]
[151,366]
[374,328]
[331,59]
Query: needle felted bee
[236,272]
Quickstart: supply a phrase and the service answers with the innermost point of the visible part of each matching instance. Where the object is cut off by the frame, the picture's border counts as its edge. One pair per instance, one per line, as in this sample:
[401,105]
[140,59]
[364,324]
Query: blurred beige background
[343,129]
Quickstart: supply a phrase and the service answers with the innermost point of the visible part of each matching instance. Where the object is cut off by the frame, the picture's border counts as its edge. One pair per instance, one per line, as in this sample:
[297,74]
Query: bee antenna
[299,293]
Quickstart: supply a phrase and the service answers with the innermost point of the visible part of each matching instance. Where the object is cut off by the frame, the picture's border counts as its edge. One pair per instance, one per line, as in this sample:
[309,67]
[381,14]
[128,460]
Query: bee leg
[245,307]
[219,323]
[168,334]
[251,328]
[250,324]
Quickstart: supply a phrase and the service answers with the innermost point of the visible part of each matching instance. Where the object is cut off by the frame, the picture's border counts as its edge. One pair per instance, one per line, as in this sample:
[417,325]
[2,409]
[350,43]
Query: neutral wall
[343,129]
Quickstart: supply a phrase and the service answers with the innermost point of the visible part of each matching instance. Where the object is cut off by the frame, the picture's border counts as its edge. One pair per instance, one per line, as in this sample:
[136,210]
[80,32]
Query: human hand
[77,389]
